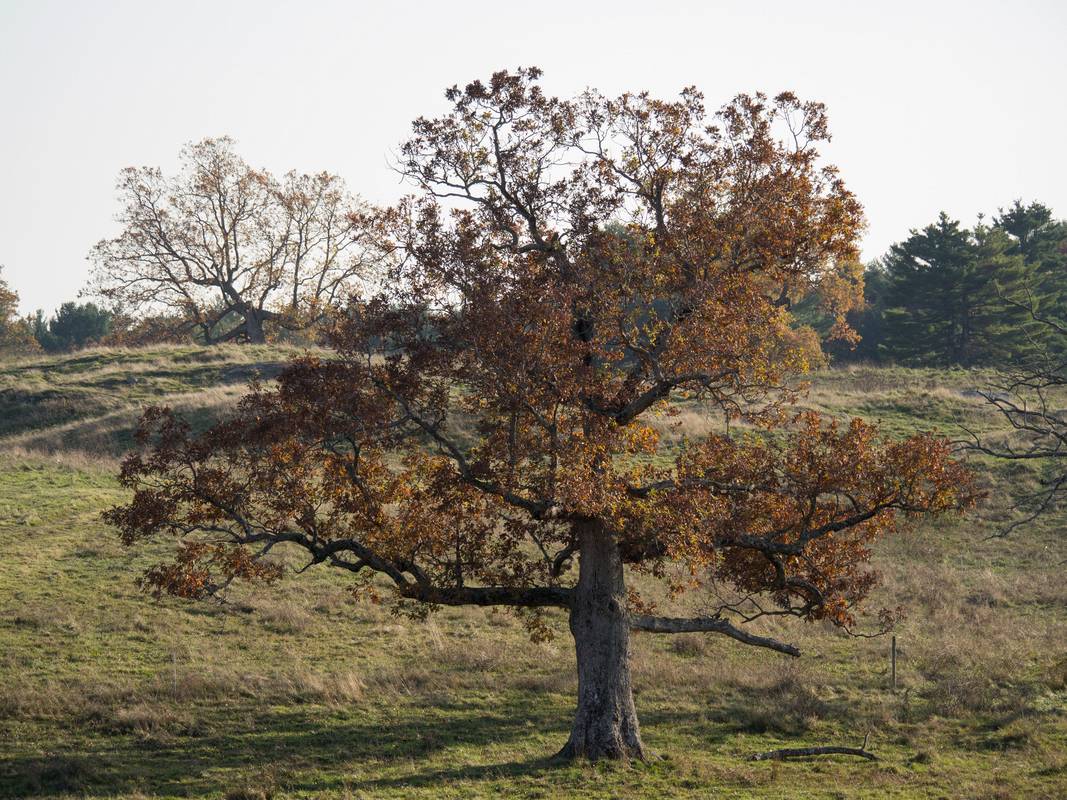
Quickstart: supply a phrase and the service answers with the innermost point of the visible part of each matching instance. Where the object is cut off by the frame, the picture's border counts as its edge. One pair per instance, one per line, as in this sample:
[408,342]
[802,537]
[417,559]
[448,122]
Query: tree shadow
[311,749]
[785,709]
[529,768]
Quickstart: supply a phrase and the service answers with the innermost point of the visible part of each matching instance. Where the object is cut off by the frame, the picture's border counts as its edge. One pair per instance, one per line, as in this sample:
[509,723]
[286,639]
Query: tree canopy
[231,249]
[73,326]
[948,298]
[15,334]
[568,273]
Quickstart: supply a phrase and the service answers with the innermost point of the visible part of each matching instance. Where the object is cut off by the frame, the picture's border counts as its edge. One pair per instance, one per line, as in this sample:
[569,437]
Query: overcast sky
[933,105]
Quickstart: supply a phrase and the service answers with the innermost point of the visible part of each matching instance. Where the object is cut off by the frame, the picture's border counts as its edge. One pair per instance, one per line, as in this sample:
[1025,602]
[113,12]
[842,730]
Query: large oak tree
[486,431]
[229,249]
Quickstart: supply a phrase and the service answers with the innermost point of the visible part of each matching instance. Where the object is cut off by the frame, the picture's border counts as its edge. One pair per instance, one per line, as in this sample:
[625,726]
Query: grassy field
[302,692]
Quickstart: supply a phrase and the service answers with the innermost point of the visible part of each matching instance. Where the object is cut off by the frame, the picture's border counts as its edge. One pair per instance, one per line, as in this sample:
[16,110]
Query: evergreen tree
[73,326]
[948,297]
[1004,329]
[952,295]
[1042,242]
[869,321]
[37,322]
[76,325]
[1035,234]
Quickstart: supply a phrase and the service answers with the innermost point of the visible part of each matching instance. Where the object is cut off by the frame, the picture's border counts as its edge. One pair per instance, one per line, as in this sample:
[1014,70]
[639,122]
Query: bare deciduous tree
[1032,398]
[231,248]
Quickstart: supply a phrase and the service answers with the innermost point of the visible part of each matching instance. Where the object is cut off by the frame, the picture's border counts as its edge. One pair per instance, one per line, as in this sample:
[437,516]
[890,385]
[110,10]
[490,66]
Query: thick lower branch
[627,413]
[709,625]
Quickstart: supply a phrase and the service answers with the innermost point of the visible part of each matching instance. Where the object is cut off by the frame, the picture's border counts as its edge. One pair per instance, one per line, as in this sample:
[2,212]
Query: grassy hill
[302,692]
[90,400]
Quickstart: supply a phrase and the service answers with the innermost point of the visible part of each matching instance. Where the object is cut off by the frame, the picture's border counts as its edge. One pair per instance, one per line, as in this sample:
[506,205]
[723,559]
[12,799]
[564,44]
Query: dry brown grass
[155,705]
[76,459]
[982,666]
[282,615]
[107,437]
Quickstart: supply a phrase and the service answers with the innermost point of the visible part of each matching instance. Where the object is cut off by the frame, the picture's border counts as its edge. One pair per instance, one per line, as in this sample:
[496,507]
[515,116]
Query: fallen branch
[801,752]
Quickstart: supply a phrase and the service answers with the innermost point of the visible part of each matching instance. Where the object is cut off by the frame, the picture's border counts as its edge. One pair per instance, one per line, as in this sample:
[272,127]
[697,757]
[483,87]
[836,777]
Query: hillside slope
[302,692]
[90,400]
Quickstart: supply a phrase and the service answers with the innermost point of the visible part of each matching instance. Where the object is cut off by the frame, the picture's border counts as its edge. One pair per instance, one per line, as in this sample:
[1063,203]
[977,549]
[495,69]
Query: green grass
[303,692]
[91,400]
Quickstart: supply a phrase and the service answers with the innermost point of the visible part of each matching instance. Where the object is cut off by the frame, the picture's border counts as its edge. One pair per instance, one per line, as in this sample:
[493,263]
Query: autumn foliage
[565,276]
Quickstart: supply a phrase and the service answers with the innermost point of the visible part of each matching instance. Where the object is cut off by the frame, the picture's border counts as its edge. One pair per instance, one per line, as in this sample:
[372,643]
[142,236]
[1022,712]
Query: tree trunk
[254,328]
[605,725]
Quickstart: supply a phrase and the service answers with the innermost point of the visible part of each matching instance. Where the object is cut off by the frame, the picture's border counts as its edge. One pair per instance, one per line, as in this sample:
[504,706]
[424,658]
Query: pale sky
[933,105]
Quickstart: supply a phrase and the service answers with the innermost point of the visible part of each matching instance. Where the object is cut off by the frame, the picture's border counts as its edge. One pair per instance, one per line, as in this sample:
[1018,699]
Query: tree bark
[605,724]
[254,328]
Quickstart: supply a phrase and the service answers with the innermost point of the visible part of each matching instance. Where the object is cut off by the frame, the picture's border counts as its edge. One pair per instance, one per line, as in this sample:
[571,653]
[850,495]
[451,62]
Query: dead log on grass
[801,752]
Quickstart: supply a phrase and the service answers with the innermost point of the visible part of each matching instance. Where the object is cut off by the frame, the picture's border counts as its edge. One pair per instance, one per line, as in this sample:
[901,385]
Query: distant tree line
[948,295]
[218,252]
[72,327]
[945,295]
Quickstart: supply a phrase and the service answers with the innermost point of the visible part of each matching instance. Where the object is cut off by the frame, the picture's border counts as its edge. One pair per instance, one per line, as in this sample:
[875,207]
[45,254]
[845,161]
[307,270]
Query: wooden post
[893,662]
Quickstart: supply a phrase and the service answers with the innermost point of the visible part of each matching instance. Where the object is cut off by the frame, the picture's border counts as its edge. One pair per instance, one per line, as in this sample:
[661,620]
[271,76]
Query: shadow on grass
[310,749]
[317,750]
[440,777]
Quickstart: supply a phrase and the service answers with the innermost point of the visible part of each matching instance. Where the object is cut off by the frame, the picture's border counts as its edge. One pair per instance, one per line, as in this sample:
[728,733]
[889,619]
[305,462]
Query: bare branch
[709,625]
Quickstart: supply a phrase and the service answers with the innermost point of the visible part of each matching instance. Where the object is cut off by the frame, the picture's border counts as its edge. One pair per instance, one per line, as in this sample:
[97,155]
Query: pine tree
[922,315]
[952,296]
[1036,235]
[1004,329]
[1042,242]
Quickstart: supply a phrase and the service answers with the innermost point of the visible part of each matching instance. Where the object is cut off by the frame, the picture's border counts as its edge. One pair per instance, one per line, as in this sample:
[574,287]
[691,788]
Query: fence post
[893,662]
